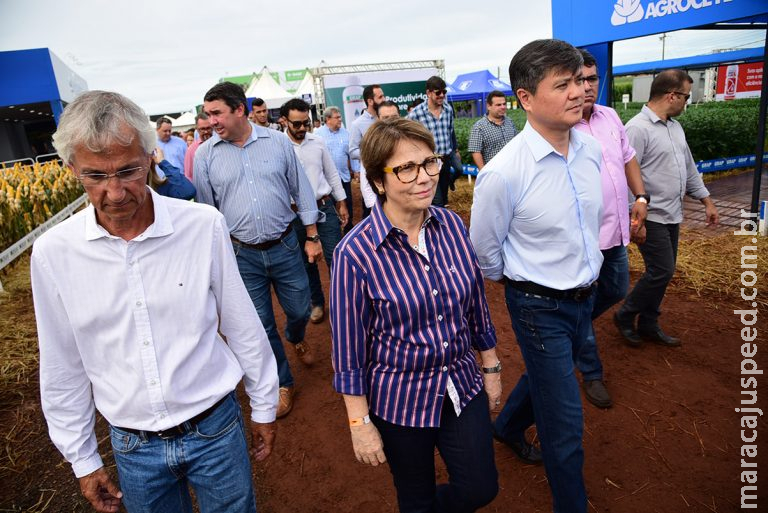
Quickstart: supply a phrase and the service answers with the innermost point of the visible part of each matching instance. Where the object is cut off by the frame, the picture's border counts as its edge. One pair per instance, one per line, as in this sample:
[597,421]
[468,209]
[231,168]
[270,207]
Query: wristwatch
[314,238]
[643,198]
[492,370]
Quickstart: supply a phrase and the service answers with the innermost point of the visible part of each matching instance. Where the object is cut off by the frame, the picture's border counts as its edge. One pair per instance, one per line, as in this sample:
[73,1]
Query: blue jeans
[212,458]
[330,235]
[550,332]
[466,446]
[281,267]
[612,286]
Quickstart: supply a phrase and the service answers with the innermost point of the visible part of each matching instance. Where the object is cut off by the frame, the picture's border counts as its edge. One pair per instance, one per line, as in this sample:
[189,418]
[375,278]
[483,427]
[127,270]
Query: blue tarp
[476,86]
[693,62]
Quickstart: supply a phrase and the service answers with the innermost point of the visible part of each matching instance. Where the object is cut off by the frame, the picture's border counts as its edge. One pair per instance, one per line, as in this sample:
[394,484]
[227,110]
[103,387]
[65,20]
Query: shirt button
[434,292]
[153,382]
[162,415]
[146,342]
[426,268]
[439,317]
[138,303]
[445,343]
[131,262]
[445,369]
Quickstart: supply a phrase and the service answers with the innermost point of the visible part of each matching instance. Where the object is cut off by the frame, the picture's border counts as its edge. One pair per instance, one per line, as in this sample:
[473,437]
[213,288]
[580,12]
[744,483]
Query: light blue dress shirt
[356,132]
[536,214]
[338,145]
[174,151]
[253,185]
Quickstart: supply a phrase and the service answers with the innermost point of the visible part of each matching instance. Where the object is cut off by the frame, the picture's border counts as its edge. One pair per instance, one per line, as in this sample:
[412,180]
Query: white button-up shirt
[132,327]
[319,167]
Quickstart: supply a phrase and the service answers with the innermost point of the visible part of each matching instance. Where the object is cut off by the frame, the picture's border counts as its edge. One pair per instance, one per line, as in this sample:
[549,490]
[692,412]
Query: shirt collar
[651,115]
[256,132]
[540,147]
[382,227]
[161,226]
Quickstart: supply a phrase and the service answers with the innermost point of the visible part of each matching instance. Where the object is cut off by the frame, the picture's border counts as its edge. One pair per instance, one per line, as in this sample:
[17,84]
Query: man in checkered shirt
[492,132]
[437,115]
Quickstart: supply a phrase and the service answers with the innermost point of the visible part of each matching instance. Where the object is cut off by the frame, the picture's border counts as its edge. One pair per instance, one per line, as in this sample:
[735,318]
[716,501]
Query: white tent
[184,122]
[268,90]
[307,86]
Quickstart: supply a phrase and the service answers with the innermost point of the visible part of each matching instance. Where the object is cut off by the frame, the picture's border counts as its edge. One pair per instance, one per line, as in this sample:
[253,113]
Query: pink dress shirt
[189,158]
[605,126]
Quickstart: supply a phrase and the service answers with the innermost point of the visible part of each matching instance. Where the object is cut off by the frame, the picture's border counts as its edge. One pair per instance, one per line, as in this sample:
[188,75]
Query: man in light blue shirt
[174,148]
[337,140]
[250,174]
[535,226]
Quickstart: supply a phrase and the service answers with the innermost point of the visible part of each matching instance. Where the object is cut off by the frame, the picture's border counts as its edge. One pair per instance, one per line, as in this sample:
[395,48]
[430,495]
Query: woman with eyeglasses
[408,320]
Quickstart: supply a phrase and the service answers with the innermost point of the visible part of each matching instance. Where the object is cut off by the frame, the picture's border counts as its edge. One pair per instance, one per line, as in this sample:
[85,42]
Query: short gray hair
[330,111]
[97,119]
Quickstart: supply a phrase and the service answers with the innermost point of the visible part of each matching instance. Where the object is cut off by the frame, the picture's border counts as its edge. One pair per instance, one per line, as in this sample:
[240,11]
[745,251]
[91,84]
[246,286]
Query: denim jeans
[550,332]
[330,235]
[350,206]
[466,446]
[443,183]
[281,267]
[612,286]
[659,253]
[212,458]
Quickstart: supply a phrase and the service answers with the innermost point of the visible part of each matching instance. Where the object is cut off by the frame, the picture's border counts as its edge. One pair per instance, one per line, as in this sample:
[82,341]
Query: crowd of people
[151,310]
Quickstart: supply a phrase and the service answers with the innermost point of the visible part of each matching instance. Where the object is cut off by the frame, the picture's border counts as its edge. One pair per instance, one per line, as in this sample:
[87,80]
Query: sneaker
[285,401]
[597,394]
[317,314]
[304,352]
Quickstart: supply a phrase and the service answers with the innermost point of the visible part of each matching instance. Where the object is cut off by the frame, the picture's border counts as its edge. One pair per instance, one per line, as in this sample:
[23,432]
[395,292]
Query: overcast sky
[164,54]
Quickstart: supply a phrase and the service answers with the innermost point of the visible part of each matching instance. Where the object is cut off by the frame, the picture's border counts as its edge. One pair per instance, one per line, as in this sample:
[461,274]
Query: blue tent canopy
[476,86]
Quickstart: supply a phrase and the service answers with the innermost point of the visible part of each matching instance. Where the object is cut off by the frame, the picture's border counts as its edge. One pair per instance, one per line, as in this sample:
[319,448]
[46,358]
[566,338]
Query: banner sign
[739,81]
[709,166]
[345,91]
[586,22]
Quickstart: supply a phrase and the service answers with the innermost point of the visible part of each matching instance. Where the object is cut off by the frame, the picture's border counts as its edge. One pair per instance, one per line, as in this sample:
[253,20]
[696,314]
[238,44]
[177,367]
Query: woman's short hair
[381,140]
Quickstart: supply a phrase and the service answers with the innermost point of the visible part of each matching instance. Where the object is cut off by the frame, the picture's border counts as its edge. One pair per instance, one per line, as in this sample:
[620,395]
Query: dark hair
[231,94]
[257,102]
[200,116]
[380,142]
[589,59]
[386,103]
[368,93]
[668,80]
[435,83]
[162,120]
[538,58]
[293,104]
[495,94]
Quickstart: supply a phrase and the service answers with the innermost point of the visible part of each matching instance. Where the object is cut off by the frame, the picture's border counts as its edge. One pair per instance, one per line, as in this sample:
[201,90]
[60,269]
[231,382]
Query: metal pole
[760,132]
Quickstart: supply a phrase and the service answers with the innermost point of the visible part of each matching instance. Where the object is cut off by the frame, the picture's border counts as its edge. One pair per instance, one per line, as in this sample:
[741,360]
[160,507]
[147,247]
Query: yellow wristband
[360,421]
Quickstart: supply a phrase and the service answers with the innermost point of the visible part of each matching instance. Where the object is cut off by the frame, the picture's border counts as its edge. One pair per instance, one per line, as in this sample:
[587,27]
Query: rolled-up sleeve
[300,188]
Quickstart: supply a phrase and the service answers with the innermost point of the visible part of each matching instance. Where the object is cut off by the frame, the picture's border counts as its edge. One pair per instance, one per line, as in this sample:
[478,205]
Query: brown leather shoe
[317,314]
[304,352]
[285,401]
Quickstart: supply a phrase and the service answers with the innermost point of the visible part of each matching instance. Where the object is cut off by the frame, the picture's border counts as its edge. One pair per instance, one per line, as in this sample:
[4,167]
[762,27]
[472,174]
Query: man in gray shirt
[669,173]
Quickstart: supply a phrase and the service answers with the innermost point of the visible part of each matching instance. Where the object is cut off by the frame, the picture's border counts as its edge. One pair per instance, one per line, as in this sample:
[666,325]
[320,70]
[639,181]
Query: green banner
[295,75]
[350,99]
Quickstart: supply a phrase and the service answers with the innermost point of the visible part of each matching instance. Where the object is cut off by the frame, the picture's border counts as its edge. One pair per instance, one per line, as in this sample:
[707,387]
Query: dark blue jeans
[330,235]
[466,446]
[550,332]
[612,286]
[212,458]
[280,267]
[443,183]
[350,206]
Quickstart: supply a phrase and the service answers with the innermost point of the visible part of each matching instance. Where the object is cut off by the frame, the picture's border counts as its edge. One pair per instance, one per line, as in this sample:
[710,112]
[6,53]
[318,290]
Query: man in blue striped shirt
[535,225]
[250,174]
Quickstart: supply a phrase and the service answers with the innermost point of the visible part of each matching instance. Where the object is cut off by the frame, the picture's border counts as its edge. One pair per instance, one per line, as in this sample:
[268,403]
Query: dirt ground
[669,444]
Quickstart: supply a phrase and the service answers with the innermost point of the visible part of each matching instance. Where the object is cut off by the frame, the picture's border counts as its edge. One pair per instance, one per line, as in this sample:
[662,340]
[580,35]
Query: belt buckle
[583,293]
[169,433]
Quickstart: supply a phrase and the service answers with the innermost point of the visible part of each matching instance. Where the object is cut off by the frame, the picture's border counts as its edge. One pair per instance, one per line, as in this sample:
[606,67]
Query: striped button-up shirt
[253,185]
[338,144]
[402,325]
[441,127]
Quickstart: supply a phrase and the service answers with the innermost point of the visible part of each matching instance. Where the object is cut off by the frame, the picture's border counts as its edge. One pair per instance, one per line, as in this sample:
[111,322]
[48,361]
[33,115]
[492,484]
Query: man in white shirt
[535,226]
[329,192]
[142,314]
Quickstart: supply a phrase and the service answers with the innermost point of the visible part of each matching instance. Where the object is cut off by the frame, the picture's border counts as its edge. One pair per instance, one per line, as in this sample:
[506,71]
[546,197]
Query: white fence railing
[19,247]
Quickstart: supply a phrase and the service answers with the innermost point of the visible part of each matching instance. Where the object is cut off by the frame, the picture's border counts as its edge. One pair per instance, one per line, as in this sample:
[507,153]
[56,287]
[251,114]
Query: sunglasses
[684,95]
[439,92]
[298,124]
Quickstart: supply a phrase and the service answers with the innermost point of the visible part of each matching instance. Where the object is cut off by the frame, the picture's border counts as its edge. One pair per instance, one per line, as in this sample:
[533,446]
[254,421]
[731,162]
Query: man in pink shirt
[204,130]
[619,169]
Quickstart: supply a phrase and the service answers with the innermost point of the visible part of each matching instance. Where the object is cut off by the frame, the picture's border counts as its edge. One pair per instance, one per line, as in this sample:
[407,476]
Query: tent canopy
[268,90]
[186,120]
[696,61]
[307,86]
[476,85]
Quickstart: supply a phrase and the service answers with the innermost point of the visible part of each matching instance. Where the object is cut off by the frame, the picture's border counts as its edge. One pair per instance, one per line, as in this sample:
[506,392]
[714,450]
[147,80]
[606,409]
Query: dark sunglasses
[684,95]
[439,92]
[298,124]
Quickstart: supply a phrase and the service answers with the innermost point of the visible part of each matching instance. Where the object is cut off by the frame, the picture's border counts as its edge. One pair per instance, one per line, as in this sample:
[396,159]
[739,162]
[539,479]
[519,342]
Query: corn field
[29,195]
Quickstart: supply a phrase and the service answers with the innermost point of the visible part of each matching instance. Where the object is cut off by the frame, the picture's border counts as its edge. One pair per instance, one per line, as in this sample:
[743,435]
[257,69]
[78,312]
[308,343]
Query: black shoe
[452,186]
[627,330]
[597,394]
[526,452]
[659,337]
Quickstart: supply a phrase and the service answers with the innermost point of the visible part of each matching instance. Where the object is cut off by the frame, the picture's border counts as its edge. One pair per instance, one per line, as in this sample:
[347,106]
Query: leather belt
[263,245]
[322,200]
[577,294]
[182,428]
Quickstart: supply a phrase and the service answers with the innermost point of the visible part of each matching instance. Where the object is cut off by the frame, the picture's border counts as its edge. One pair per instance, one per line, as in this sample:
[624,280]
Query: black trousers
[660,256]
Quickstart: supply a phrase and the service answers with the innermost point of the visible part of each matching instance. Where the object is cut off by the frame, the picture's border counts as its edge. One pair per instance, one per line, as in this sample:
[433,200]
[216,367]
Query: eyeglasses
[298,124]
[592,79]
[440,92]
[92,179]
[684,95]
[409,171]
